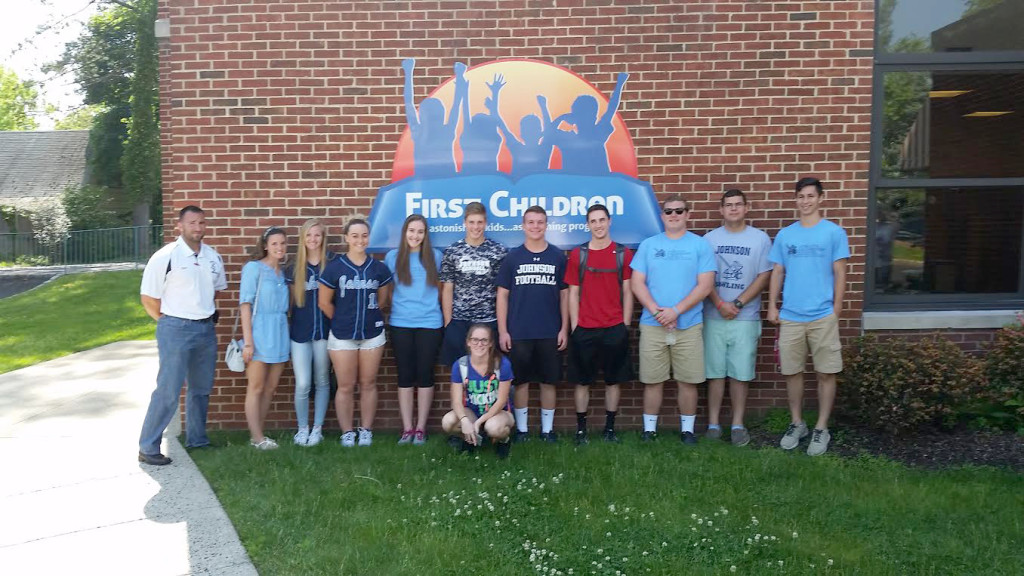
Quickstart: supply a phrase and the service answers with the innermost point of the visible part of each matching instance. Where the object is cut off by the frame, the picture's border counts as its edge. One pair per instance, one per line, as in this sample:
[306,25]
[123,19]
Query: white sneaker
[315,437]
[794,434]
[348,439]
[301,437]
[819,442]
[365,437]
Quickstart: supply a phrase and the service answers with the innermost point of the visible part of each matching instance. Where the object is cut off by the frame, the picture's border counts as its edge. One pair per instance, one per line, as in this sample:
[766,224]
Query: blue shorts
[730,348]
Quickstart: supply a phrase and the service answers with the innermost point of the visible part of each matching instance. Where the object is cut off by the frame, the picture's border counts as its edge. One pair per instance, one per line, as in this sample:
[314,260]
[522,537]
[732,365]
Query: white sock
[650,422]
[522,416]
[686,422]
[547,420]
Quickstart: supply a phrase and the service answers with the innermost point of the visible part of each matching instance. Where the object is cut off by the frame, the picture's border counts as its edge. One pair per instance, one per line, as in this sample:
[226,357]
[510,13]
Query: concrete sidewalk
[73,497]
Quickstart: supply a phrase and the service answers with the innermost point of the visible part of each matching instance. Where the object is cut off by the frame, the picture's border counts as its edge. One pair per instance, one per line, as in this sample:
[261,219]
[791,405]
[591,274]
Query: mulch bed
[931,449]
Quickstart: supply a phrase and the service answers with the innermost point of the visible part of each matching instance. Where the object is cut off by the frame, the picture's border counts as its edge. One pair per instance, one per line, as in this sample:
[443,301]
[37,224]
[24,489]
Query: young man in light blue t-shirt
[810,273]
[732,319]
[672,274]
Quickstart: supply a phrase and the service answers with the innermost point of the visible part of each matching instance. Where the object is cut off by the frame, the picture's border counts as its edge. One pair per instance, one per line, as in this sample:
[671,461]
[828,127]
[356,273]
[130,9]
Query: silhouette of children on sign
[433,135]
[531,153]
[480,140]
[583,148]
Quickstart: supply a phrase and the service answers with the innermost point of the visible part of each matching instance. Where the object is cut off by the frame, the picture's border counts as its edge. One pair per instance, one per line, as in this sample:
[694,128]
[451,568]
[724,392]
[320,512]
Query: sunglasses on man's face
[669,211]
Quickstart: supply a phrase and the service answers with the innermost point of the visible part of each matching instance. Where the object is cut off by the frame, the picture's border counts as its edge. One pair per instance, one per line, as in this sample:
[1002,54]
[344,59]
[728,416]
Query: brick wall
[277,111]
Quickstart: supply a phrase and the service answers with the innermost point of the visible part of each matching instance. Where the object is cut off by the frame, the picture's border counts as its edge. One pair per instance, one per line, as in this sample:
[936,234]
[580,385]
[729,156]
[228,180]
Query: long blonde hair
[301,258]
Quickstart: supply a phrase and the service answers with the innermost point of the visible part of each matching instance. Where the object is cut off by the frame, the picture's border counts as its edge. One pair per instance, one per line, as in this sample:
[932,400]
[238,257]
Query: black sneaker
[521,437]
[154,459]
[688,438]
[549,437]
[467,448]
[610,436]
[503,448]
[582,438]
[648,436]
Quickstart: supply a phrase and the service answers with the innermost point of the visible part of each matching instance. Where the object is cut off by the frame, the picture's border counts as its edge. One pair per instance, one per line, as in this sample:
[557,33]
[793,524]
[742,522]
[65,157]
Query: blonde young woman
[350,295]
[263,302]
[309,329]
[416,324]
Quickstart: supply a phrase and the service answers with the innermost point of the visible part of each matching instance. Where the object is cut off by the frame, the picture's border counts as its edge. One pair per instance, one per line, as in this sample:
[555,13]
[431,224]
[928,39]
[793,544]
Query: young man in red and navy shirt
[600,311]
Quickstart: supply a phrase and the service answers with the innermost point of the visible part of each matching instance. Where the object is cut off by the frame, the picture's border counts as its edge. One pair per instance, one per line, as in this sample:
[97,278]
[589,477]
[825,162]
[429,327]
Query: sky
[922,17]
[35,33]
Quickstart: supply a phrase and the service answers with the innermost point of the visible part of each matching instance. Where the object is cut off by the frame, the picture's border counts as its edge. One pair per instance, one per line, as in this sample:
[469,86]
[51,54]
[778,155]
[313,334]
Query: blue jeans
[311,364]
[188,352]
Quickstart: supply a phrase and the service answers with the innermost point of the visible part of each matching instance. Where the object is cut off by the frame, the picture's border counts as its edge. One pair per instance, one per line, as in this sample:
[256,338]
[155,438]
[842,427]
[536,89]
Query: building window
[947,176]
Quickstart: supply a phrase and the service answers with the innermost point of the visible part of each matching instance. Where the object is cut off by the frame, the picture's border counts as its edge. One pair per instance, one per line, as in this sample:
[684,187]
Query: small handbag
[233,352]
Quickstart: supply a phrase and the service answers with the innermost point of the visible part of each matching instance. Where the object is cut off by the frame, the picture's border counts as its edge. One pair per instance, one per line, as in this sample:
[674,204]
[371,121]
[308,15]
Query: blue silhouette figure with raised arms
[531,153]
[583,148]
[480,140]
[433,135]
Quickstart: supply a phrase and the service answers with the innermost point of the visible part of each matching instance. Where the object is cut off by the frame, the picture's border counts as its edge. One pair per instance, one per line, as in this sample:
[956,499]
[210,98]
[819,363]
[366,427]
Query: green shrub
[1004,371]
[899,386]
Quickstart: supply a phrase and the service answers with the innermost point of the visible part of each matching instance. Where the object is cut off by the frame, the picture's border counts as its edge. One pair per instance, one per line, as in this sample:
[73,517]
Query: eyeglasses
[479,341]
[669,211]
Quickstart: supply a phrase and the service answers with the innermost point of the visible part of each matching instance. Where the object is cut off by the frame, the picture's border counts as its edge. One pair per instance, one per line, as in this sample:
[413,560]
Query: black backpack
[620,257]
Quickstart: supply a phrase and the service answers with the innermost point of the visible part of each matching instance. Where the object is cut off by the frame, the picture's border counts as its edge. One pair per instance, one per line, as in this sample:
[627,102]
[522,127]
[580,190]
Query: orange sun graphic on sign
[564,95]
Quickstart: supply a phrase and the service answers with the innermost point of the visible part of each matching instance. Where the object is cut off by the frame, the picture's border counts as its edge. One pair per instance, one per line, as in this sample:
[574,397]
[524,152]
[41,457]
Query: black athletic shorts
[594,349]
[536,361]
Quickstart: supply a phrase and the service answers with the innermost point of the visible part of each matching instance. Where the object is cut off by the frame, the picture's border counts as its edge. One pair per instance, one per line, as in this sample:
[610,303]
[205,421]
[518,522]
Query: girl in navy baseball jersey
[263,303]
[481,388]
[350,295]
[415,322]
[309,328]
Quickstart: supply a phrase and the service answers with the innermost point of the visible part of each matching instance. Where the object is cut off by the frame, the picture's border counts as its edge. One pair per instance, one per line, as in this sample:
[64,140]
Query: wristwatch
[738,303]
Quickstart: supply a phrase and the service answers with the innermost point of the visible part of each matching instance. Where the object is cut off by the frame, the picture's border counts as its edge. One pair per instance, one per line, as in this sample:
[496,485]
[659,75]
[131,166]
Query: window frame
[931,62]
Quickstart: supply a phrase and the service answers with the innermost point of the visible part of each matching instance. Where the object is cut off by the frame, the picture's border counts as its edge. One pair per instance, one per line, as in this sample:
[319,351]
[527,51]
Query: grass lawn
[73,313]
[632,508]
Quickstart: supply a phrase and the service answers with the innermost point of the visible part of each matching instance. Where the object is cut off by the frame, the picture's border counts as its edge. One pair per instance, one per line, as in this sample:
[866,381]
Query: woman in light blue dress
[263,300]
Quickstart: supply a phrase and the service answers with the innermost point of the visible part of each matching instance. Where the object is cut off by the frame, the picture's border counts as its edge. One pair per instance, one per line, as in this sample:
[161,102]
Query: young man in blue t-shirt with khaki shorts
[810,273]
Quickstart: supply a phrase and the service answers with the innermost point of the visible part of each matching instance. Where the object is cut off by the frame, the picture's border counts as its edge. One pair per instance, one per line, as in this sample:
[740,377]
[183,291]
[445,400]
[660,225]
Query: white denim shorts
[367,344]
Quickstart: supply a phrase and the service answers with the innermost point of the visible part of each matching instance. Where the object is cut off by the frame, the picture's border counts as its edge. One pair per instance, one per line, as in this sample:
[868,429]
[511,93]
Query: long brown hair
[426,254]
[494,358]
[301,259]
[259,250]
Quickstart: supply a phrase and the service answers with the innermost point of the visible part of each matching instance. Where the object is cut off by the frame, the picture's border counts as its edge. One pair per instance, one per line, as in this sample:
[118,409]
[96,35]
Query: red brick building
[276,111]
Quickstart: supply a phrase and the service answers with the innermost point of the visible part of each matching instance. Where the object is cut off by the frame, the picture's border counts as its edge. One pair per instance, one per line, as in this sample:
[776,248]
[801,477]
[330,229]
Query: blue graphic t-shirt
[808,254]
[308,322]
[356,313]
[741,257]
[416,305]
[479,393]
[534,281]
[671,268]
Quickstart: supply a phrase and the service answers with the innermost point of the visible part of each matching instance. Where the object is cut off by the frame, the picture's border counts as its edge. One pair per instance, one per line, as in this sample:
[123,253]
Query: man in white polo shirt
[178,288]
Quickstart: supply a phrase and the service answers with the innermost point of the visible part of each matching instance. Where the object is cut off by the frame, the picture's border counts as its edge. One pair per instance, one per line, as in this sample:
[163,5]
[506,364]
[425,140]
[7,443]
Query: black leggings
[416,354]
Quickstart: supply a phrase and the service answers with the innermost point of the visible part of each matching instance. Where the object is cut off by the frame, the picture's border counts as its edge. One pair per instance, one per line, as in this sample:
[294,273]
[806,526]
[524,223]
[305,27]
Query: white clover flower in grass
[829,561]
[732,568]
[795,534]
[780,563]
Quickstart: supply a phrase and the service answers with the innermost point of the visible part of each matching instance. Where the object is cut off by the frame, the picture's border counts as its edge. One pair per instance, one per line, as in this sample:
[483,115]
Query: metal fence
[128,244]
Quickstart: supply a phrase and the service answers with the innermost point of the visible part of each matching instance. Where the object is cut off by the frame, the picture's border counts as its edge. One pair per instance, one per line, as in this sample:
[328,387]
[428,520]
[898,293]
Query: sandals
[265,444]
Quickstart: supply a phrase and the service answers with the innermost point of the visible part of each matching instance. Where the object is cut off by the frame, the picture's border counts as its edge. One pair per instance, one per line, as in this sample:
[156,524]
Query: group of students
[478,301]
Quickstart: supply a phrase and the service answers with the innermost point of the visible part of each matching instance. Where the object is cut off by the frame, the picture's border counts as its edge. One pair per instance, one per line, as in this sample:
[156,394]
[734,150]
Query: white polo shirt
[187,290]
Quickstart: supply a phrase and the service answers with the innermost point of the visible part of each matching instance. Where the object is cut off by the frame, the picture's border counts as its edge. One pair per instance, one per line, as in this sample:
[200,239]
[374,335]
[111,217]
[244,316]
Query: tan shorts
[683,360]
[821,336]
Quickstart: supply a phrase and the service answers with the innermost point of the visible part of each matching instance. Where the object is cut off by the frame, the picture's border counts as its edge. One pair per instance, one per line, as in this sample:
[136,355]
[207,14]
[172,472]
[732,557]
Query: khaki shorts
[683,360]
[821,336]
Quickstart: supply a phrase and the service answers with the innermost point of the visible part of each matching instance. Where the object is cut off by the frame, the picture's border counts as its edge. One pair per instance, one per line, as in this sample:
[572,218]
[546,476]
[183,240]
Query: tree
[101,61]
[17,98]
[80,118]
[140,163]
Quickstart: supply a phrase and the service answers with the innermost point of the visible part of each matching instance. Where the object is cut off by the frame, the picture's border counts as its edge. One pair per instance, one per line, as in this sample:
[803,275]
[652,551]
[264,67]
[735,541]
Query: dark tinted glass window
[928,26]
[953,125]
[948,241]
